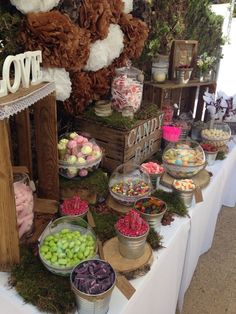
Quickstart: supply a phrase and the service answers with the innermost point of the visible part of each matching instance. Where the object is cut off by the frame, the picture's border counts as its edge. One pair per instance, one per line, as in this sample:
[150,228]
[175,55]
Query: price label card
[198,195]
[125,286]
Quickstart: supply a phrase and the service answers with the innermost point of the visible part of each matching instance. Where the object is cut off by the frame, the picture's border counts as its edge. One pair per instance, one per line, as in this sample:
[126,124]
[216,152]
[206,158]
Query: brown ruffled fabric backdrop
[65,37]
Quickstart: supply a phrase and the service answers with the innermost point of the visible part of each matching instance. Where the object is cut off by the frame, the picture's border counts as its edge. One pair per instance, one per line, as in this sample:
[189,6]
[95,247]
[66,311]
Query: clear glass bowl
[128,183]
[79,160]
[218,135]
[183,159]
[73,224]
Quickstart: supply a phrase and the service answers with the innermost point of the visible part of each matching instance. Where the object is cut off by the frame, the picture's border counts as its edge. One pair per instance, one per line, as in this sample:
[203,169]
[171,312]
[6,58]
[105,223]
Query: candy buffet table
[171,272]
[220,191]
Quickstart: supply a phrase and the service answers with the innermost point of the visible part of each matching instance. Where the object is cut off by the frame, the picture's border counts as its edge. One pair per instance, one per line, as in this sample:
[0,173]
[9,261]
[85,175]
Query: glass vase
[205,76]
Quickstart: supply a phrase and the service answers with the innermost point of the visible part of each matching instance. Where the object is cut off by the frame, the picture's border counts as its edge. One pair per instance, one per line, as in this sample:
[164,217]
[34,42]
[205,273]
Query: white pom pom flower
[26,6]
[128,6]
[61,79]
[104,52]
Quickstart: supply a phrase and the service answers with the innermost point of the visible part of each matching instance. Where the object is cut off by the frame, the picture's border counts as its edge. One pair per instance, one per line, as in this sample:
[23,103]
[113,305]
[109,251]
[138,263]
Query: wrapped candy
[127,89]
[132,224]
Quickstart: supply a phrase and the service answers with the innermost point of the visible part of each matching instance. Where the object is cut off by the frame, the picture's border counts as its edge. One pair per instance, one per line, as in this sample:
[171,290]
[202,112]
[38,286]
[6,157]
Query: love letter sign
[26,71]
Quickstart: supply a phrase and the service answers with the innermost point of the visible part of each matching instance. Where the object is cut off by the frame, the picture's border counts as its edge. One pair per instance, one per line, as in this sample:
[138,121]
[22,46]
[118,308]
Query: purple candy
[93,277]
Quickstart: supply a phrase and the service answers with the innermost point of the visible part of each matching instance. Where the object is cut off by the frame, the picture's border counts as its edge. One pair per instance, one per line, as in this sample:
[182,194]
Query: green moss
[105,229]
[115,120]
[105,225]
[154,239]
[173,201]
[147,111]
[96,181]
[36,285]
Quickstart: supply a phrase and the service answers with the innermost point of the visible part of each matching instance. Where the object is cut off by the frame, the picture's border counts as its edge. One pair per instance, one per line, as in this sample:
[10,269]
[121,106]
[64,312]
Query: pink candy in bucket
[171,133]
[127,89]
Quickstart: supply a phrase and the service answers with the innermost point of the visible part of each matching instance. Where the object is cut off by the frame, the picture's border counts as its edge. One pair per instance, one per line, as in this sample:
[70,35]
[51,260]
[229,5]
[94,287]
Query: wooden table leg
[46,147]
[9,242]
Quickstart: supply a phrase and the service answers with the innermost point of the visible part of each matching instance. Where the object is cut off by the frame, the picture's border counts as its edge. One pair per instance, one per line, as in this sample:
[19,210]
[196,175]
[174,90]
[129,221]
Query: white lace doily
[10,108]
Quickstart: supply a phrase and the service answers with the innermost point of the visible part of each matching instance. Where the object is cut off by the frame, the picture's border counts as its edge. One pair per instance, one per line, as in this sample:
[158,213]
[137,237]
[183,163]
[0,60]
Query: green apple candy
[67,248]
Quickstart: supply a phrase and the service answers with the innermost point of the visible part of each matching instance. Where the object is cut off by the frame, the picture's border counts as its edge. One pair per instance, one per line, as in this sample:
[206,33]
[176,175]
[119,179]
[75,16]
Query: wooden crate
[138,144]
[189,97]
[183,52]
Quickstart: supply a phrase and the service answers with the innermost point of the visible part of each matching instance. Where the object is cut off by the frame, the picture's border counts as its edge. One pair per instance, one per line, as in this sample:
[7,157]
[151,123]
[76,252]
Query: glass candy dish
[183,159]
[78,155]
[60,250]
[128,183]
[218,135]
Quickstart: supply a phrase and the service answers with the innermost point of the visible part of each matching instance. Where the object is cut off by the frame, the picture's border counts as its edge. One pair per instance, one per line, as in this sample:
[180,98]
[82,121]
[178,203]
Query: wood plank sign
[141,139]
[27,71]
[137,144]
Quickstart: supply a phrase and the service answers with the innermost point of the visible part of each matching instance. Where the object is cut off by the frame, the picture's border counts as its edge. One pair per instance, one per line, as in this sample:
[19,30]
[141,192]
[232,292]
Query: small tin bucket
[154,220]
[183,75]
[210,157]
[132,247]
[92,304]
[186,196]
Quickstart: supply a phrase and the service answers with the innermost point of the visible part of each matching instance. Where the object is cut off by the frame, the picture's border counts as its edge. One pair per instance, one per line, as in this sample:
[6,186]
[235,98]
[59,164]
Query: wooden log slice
[130,268]
[202,179]
[121,209]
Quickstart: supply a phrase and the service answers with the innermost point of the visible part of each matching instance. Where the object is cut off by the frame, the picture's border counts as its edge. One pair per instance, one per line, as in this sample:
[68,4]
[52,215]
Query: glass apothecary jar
[183,159]
[24,204]
[127,88]
[128,183]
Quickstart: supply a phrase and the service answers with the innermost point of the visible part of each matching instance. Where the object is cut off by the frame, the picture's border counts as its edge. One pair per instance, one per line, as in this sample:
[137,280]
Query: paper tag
[100,250]
[125,286]
[90,219]
[198,195]
[32,185]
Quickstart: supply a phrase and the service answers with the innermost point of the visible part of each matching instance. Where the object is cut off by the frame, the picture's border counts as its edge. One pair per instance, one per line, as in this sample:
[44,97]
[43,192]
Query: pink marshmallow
[83,172]
[72,144]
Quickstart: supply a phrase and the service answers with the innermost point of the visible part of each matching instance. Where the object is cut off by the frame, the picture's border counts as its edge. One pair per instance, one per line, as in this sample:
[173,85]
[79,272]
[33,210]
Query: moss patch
[173,201]
[117,121]
[105,229]
[36,285]
[96,181]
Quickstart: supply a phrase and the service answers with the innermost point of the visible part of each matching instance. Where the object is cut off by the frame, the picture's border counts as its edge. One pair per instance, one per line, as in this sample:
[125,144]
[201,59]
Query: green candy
[67,248]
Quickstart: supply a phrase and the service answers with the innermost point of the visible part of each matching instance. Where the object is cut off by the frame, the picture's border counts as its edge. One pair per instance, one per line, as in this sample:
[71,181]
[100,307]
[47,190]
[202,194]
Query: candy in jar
[24,204]
[127,89]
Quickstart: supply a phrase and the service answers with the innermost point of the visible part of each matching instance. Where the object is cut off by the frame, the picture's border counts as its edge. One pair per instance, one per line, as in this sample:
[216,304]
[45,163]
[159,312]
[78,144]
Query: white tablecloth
[161,283]
[157,292]
[221,190]
[173,267]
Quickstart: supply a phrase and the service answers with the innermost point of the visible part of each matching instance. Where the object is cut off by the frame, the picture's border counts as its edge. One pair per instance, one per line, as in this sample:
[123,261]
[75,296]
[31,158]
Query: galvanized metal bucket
[183,75]
[186,196]
[154,220]
[92,304]
[210,157]
[132,247]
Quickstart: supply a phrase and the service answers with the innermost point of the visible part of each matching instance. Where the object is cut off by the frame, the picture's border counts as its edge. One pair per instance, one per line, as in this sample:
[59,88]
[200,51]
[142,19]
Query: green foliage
[204,26]
[154,239]
[96,181]
[179,19]
[9,27]
[173,201]
[36,285]
[166,22]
